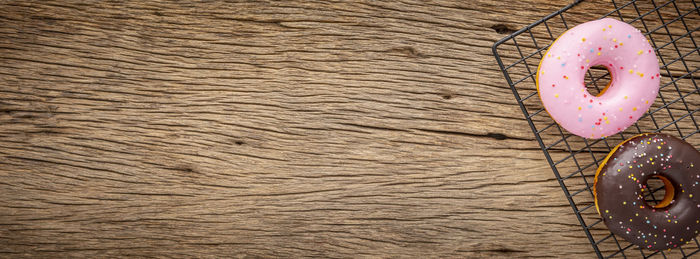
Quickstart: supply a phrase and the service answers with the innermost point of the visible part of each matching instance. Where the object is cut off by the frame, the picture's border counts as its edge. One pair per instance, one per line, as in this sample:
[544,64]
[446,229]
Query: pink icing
[633,65]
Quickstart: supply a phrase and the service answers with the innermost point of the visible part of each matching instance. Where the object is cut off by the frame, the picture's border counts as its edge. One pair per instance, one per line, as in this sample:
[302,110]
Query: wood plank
[278,129]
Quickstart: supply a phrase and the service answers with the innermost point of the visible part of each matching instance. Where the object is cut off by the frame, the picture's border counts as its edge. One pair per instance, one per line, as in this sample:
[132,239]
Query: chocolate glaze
[620,182]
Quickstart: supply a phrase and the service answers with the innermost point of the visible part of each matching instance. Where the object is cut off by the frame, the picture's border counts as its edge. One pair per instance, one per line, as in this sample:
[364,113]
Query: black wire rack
[671,27]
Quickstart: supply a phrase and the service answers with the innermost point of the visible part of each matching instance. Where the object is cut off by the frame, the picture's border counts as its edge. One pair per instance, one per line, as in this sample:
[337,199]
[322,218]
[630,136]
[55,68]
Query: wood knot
[186,169]
[408,51]
[497,136]
[502,29]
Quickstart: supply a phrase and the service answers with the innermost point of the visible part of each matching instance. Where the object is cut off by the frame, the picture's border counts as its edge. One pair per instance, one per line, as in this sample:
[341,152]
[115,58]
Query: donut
[622,178]
[634,83]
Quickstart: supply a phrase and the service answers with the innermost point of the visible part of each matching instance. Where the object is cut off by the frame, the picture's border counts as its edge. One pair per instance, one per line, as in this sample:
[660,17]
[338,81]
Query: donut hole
[659,192]
[598,78]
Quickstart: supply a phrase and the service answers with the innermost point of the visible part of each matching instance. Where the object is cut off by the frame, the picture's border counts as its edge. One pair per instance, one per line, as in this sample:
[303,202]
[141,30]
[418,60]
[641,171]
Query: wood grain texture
[271,129]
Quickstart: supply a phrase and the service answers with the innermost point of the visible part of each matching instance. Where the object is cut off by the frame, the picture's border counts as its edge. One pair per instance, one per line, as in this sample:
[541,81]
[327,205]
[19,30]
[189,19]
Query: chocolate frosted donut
[621,180]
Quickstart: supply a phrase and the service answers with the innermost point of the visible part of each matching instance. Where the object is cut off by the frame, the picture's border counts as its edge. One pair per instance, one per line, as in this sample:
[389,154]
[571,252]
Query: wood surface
[274,129]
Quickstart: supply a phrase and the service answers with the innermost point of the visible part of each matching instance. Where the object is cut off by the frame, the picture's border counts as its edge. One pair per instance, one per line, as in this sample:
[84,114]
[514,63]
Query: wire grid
[670,27]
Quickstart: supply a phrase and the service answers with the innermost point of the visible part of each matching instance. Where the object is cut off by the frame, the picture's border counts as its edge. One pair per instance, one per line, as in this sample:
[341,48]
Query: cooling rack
[673,29]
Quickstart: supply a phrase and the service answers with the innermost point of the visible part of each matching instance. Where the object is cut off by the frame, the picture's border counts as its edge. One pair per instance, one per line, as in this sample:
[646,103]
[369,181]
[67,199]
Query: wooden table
[271,129]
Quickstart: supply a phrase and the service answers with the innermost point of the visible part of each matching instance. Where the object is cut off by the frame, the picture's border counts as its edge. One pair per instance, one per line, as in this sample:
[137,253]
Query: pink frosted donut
[634,83]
